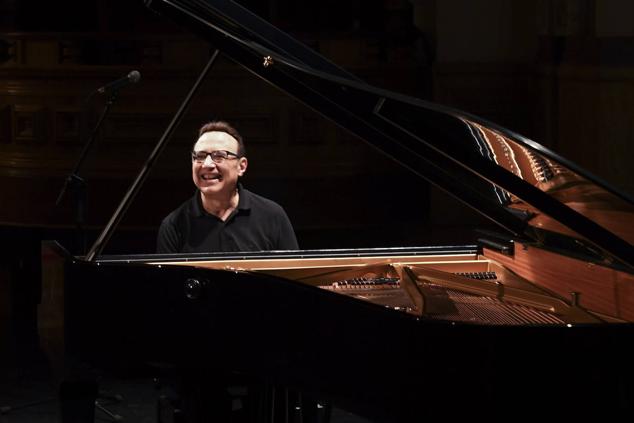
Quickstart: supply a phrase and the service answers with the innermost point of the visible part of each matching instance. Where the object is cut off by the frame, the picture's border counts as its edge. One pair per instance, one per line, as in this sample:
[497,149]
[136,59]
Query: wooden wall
[336,189]
[555,71]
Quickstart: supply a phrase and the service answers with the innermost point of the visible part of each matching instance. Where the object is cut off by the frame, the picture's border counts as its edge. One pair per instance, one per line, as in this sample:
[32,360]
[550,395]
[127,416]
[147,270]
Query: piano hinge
[504,247]
[267,61]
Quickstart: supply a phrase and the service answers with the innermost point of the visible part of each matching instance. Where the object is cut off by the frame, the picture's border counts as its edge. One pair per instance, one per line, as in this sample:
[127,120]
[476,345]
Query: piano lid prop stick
[105,235]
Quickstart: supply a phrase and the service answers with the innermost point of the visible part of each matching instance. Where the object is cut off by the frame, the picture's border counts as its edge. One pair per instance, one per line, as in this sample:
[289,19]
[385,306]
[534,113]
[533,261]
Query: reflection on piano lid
[543,314]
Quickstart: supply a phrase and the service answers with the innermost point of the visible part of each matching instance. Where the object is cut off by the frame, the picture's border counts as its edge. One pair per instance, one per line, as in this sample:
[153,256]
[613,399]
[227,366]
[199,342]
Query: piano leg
[202,396]
[281,404]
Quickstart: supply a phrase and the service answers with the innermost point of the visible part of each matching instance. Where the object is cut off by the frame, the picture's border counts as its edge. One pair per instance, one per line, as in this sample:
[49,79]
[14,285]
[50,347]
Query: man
[222,215]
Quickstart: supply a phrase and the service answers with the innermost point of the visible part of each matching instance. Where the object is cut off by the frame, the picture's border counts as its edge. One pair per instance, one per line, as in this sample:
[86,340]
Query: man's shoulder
[261,203]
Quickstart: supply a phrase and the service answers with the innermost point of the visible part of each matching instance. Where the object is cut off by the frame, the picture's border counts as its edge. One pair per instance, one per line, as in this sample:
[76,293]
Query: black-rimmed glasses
[218,156]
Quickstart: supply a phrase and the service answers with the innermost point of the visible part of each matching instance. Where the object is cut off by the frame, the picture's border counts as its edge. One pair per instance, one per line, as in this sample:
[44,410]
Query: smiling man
[222,215]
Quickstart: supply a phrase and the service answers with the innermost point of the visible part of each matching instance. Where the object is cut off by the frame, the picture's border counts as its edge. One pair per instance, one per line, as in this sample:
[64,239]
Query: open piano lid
[521,185]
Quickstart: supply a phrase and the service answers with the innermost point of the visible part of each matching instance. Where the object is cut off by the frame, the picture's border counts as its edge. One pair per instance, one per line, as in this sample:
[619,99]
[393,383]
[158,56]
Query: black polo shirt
[257,224]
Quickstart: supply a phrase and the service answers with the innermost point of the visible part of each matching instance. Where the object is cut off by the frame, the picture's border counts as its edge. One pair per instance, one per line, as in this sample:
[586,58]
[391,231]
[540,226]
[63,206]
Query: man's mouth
[210,177]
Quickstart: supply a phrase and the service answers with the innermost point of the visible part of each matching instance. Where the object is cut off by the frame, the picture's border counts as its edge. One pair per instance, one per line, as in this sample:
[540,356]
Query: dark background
[557,71]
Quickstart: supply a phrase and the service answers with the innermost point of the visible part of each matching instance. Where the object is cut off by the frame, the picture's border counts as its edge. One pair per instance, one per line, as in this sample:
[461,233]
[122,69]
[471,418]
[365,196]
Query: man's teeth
[210,177]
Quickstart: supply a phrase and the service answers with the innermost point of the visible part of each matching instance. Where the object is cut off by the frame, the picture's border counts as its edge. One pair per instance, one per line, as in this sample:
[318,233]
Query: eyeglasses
[218,156]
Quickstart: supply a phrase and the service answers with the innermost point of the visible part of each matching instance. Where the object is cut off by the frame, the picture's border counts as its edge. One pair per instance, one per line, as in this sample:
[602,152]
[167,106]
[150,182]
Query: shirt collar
[244,202]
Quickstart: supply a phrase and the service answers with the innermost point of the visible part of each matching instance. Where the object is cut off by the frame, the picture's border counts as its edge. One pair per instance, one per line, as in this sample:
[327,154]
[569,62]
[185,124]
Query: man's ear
[242,165]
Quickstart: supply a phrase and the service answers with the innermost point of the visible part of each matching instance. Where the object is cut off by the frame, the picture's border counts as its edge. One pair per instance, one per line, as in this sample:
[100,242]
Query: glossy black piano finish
[281,316]
[375,361]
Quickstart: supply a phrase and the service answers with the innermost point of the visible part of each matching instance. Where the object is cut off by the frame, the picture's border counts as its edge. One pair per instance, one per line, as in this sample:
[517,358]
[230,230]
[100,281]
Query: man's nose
[208,162]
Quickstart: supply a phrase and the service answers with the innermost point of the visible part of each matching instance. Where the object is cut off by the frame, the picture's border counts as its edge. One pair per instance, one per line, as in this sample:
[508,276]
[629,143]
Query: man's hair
[222,126]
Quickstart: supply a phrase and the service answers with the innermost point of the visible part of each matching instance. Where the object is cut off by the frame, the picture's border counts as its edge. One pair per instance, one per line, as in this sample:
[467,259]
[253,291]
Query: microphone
[131,78]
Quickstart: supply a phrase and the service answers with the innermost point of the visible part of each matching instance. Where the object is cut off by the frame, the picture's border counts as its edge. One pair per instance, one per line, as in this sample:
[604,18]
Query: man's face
[217,178]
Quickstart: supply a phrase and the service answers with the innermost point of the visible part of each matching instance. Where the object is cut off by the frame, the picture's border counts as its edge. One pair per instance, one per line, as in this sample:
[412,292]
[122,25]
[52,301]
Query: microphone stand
[77,184]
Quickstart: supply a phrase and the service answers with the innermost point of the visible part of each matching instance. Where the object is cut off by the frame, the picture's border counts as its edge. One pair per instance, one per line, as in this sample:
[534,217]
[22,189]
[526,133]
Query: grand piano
[535,319]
